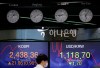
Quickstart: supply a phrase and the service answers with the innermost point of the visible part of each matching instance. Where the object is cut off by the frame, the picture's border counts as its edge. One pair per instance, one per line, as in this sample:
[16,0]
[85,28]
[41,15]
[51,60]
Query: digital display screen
[21,54]
[75,55]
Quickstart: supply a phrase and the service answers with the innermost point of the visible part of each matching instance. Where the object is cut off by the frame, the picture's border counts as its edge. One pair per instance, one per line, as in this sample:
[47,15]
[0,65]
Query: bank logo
[42,31]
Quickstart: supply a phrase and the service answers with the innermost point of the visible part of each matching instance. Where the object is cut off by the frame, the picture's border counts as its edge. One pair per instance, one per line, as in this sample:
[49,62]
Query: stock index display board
[75,55]
[21,54]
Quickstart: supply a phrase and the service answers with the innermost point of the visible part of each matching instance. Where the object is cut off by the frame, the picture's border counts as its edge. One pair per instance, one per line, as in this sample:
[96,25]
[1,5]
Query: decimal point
[64,57]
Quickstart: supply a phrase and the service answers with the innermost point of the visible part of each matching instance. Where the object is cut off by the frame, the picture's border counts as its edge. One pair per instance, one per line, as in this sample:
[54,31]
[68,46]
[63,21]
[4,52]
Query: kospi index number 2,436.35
[26,55]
